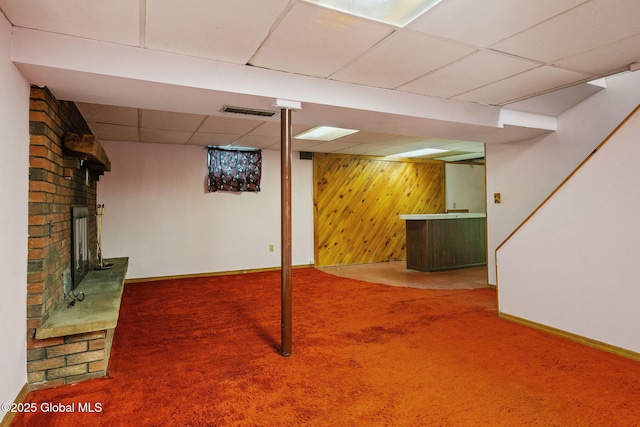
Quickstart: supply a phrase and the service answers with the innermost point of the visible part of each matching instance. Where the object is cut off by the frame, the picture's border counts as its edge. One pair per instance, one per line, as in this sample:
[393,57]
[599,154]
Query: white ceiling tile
[463,146]
[273,129]
[361,137]
[401,58]
[523,85]
[229,31]
[164,136]
[219,124]
[206,138]
[469,73]
[113,132]
[154,119]
[108,114]
[451,147]
[302,145]
[487,22]
[315,41]
[614,56]
[387,150]
[335,146]
[354,149]
[576,31]
[256,141]
[585,39]
[116,21]
[431,143]
[267,129]
[445,144]
[403,140]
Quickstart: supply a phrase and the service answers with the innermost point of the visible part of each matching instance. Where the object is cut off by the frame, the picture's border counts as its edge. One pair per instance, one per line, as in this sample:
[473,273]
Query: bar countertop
[419,217]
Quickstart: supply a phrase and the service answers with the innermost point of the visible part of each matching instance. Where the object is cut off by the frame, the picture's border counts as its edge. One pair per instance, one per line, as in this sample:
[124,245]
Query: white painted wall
[159,213]
[14,174]
[525,173]
[465,187]
[572,265]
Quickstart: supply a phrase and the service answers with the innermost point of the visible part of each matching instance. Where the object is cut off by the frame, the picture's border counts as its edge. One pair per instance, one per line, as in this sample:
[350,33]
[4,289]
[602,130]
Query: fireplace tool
[101,264]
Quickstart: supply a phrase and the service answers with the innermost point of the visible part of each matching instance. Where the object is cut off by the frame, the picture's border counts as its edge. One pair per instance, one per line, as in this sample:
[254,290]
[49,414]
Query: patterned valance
[234,170]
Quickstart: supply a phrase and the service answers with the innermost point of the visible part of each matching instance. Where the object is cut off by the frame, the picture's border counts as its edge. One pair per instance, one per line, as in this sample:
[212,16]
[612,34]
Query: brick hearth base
[75,342]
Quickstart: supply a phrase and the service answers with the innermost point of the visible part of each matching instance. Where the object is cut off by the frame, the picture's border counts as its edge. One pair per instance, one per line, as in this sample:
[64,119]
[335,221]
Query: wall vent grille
[247,111]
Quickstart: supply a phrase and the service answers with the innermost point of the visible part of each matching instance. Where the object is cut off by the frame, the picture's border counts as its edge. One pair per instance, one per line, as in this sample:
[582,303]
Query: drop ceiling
[463,74]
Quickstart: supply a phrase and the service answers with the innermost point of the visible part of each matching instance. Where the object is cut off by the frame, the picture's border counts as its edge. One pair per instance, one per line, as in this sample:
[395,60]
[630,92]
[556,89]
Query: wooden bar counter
[446,241]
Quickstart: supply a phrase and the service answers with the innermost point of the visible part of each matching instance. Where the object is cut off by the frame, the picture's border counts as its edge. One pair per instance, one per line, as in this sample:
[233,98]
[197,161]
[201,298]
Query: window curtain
[234,170]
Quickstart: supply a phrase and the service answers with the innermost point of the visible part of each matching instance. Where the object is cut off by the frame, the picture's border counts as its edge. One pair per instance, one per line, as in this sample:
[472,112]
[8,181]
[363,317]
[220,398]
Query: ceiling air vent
[247,111]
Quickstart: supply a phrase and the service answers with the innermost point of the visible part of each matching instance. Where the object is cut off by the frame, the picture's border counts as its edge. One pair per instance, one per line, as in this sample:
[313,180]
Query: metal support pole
[285,170]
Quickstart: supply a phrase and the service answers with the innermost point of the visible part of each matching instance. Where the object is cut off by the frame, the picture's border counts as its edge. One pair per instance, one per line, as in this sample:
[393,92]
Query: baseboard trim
[212,274]
[619,351]
[8,417]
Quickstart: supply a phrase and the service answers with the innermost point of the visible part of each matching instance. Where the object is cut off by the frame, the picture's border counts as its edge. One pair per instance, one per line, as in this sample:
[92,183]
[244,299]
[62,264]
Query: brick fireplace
[58,181]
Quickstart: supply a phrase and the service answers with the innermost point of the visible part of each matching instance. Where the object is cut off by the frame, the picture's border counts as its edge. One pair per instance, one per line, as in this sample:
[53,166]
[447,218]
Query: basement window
[234,170]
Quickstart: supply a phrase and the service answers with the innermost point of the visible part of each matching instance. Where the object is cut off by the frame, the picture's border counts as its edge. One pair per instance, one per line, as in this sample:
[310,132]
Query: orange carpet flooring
[200,352]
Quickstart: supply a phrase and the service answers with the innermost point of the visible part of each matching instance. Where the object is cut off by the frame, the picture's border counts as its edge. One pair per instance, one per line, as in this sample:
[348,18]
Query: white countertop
[442,216]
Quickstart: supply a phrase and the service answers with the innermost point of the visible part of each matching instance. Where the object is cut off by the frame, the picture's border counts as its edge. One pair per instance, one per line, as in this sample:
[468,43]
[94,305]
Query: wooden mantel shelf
[88,148]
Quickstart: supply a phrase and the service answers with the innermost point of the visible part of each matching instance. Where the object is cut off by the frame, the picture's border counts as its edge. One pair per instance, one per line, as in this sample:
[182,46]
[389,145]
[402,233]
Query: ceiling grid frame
[460,113]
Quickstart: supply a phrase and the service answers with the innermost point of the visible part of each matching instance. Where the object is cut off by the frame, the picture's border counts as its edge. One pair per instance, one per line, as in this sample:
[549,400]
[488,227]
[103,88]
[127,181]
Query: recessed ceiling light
[419,153]
[325,133]
[394,12]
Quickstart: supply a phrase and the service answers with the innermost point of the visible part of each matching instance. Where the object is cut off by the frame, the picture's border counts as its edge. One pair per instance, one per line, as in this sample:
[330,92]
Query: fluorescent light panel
[394,12]
[324,133]
[419,153]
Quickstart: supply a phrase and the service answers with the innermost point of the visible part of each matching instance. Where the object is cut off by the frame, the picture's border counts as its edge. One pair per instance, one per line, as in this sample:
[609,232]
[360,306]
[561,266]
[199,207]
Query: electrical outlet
[454,205]
[271,248]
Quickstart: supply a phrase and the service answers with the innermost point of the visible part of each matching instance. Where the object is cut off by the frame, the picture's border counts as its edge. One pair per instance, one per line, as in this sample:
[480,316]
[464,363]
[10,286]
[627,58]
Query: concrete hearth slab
[98,310]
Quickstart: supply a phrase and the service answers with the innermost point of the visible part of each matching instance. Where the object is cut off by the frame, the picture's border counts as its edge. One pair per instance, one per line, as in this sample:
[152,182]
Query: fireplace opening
[79,244]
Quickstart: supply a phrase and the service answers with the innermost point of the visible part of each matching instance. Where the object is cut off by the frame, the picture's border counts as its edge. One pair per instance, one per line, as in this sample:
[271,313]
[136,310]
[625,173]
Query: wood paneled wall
[357,202]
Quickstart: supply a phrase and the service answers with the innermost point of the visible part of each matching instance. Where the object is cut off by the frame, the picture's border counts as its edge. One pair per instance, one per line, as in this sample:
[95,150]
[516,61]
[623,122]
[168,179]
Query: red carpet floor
[200,352]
